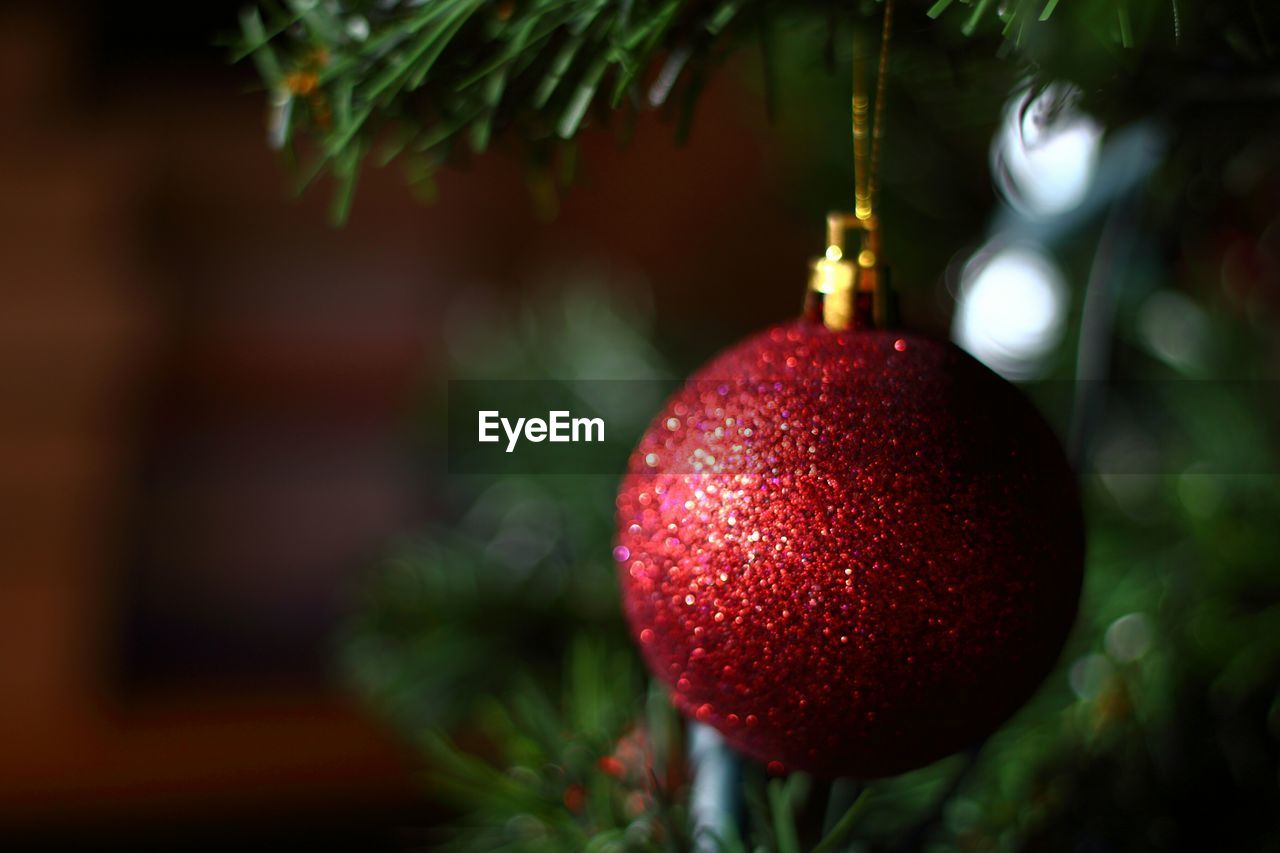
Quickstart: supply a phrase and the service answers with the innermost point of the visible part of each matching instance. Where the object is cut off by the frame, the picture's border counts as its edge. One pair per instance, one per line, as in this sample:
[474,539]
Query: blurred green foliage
[495,639]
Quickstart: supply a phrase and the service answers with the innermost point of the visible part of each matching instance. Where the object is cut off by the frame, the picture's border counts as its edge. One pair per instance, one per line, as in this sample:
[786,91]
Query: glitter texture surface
[851,552]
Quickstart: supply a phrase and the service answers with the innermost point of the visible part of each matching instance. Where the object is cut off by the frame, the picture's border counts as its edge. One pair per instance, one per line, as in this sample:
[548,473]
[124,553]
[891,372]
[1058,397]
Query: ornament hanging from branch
[850,549]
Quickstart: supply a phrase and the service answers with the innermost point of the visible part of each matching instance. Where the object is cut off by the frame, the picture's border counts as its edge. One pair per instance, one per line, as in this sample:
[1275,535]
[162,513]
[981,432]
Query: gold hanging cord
[835,283]
[865,172]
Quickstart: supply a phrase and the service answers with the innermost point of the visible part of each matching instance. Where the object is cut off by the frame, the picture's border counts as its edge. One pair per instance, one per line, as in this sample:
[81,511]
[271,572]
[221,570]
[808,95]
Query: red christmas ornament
[852,552]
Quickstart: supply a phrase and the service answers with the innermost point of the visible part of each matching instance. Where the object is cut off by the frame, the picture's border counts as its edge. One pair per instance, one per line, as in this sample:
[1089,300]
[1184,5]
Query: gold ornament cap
[849,292]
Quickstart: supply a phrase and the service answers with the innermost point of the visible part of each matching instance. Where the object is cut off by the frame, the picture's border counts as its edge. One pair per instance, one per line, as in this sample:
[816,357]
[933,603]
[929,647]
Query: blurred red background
[205,414]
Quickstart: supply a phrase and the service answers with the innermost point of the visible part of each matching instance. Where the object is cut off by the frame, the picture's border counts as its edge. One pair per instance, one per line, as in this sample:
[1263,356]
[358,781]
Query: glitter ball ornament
[852,552]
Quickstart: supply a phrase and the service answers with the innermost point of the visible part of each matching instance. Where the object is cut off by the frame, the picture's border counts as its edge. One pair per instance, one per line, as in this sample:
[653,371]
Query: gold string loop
[866,169]
[843,292]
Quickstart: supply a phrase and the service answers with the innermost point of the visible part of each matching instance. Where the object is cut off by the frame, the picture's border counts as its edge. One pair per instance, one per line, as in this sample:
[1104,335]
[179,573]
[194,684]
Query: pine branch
[442,77]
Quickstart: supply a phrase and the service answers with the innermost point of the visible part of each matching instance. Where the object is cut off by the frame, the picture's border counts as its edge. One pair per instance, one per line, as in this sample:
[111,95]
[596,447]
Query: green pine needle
[975,17]
[577,108]
[938,8]
[782,812]
[840,834]
[1126,26]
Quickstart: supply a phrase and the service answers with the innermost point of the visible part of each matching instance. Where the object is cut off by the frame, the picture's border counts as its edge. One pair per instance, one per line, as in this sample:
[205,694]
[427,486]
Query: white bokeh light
[1011,310]
[1046,151]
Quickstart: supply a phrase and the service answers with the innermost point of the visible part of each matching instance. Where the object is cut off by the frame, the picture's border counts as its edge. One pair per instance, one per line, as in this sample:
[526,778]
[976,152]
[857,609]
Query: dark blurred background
[205,408]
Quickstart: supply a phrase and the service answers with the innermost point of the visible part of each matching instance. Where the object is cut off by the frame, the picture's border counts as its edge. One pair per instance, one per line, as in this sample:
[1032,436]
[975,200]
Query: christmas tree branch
[426,81]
